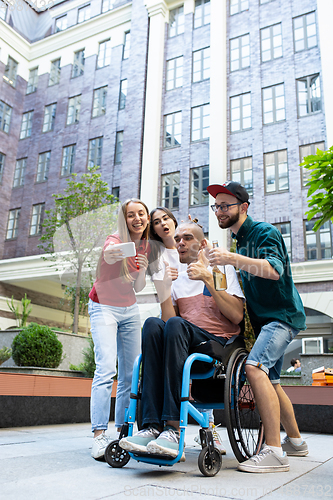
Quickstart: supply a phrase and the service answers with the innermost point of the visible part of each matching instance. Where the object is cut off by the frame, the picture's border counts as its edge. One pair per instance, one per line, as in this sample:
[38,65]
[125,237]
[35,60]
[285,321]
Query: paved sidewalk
[54,463]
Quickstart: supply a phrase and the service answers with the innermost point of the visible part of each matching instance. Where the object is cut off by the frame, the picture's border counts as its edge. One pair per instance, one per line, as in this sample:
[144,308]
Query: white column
[218,108]
[325,16]
[157,11]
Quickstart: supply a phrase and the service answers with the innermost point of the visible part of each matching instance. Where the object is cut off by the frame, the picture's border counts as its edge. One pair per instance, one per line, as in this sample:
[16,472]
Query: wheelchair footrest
[138,454]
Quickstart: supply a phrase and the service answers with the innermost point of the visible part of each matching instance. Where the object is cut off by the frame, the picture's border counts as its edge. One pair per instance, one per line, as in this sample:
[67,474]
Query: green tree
[75,230]
[21,317]
[320,184]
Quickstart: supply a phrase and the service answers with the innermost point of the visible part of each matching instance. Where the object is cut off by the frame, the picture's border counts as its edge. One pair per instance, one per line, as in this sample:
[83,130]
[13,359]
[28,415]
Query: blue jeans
[115,331]
[269,348]
[165,348]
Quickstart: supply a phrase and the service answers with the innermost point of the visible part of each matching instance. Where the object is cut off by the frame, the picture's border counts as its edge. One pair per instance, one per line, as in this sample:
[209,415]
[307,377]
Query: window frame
[5,117]
[122,93]
[179,19]
[39,219]
[204,198]
[10,74]
[127,45]
[106,57]
[65,171]
[271,43]
[101,102]
[78,65]
[74,103]
[239,7]
[278,226]
[317,235]
[56,72]
[200,7]
[174,70]
[98,147]
[110,4]
[274,108]
[118,151]
[313,150]
[43,167]
[242,117]
[240,51]
[242,170]
[310,98]
[202,117]
[60,26]
[201,62]
[26,125]
[14,228]
[173,125]
[51,118]
[277,177]
[32,82]
[304,29]
[85,9]
[2,165]
[164,202]
[19,172]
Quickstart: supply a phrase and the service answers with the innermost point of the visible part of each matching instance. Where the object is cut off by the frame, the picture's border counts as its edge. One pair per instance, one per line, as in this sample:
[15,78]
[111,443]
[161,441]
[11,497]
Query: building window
[11,72]
[170,191]
[54,72]
[240,52]
[176,21]
[43,166]
[19,172]
[276,171]
[173,130]
[174,77]
[200,123]
[201,13]
[32,81]
[115,192]
[78,66]
[305,32]
[199,180]
[49,117]
[68,160]
[99,103]
[26,125]
[309,149]
[238,6]
[12,225]
[271,42]
[104,54]
[318,244]
[265,1]
[308,93]
[83,14]
[36,219]
[241,171]
[201,65]
[127,45]
[3,10]
[285,230]
[95,152]
[107,5]
[122,94]
[119,147]
[74,107]
[2,165]
[273,104]
[61,23]
[5,116]
[240,112]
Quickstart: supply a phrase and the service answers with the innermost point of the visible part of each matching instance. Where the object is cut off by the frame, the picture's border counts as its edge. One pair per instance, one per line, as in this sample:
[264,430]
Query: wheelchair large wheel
[115,455]
[209,466]
[244,426]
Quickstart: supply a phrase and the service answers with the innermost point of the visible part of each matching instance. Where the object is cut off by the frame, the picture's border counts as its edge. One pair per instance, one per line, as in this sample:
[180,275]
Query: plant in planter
[21,317]
[5,354]
[88,366]
[37,345]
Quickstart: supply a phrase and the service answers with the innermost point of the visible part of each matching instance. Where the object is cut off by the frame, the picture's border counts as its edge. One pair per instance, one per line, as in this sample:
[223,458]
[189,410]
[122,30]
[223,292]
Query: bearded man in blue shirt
[276,313]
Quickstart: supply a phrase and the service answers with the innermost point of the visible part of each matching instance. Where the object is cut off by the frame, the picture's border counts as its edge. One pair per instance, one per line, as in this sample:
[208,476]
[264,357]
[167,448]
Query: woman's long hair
[156,242]
[125,237]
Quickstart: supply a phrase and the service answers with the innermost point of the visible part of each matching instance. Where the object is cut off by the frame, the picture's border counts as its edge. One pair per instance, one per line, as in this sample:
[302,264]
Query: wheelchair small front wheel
[209,465]
[115,455]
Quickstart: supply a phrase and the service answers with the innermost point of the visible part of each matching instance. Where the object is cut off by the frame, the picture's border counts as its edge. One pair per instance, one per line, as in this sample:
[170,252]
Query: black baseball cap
[231,187]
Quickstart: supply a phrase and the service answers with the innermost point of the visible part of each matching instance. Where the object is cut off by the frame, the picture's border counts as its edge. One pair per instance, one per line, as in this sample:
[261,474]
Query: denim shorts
[269,348]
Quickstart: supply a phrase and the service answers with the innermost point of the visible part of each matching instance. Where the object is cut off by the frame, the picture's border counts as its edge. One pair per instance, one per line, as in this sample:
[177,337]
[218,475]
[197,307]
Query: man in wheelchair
[194,312]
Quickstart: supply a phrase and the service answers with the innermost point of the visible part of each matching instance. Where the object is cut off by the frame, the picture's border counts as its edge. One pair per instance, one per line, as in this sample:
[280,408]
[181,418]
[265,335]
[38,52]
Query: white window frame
[173,126]
[270,104]
[176,21]
[118,156]
[19,172]
[239,46]
[272,44]
[10,74]
[32,81]
[280,164]
[305,30]
[323,235]
[83,13]
[43,166]
[201,13]
[201,65]
[36,221]
[311,150]
[55,72]
[99,101]
[60,23]
[237,6]
[104,54]
[74,108]
[26,125]
[49,117]
[68,160]
[95,152]
[168,202]
[12,223]
[123,93]
[127,45]
[200,122]
[199,192]
[243,104]
[78,64]
[5,116]
[174,73]
[310,97]
[318,340]
[2,165]
[239,175]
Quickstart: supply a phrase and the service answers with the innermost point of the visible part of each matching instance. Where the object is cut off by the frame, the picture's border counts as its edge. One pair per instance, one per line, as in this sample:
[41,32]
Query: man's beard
[230,221]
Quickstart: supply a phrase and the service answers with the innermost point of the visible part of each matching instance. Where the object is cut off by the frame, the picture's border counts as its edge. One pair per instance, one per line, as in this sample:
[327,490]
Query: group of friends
[179,260]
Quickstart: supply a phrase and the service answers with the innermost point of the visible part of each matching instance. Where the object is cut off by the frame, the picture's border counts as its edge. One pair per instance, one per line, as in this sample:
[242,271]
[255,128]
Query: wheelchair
[218,382]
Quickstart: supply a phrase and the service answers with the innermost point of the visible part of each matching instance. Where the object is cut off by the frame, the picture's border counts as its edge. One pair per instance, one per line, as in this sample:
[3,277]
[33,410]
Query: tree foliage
[320,184]
[75,230]
[37,345]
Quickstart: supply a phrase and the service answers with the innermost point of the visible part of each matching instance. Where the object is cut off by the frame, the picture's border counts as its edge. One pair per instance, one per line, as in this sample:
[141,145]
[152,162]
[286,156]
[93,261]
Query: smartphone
[128,249]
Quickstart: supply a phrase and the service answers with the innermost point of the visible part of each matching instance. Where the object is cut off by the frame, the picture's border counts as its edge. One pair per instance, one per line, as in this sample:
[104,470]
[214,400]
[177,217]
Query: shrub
[37,345]
[88,366]
[5,354]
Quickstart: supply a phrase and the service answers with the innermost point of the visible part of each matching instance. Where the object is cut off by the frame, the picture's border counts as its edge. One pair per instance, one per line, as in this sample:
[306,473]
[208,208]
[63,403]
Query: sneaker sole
[297,453]
[156,449]
[100,458]
[126,445]
[262,470]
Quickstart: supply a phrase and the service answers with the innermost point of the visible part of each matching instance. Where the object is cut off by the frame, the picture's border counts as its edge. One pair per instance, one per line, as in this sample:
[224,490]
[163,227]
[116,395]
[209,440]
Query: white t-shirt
[171,256]
[196,304]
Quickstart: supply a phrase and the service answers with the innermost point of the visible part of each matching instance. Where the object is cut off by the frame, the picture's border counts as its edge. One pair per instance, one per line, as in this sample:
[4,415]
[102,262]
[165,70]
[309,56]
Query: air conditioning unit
[313,345]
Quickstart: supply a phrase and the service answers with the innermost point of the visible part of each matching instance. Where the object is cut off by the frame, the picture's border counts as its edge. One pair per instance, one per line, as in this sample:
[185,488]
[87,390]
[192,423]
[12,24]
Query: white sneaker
[217,440]
[99,445]
[265,461]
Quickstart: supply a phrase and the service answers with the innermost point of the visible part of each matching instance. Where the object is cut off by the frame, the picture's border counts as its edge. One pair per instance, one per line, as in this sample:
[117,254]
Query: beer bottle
[219,277]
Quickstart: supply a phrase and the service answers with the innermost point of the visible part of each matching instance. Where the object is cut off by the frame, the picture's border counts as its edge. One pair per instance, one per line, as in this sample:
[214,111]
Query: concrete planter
[72,344]
[311,361]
